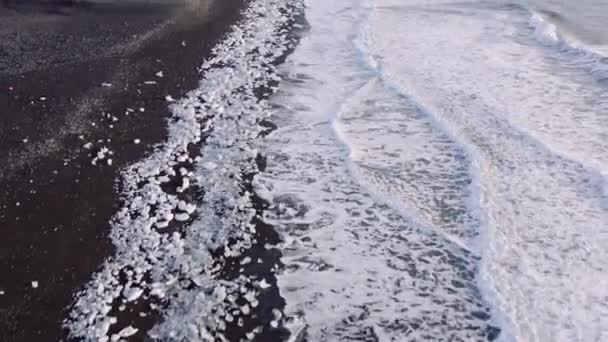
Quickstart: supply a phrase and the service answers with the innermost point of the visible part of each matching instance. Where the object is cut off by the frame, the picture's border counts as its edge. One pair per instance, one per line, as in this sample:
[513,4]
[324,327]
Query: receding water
[440,172]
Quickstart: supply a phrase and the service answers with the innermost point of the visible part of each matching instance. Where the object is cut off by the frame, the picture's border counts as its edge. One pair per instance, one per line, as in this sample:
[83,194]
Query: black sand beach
[93,73]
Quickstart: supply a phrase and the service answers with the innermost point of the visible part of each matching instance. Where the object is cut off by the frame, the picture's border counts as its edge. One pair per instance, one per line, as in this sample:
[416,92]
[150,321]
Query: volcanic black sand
[71,75]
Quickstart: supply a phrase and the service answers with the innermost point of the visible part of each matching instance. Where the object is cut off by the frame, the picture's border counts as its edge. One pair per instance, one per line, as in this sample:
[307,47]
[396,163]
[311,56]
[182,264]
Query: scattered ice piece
[101,154]
[274,324]
[88,146]
[43,98]
[183,43]
[126,332]
[187,207]
[25,140]
[246,261]
[2,293]
[106,84]
[182,217]
[168,98]
[149,82]
[34,284]
[142,109]
[109,161]
[162,224]
[185,184]
[264,284]
[159,74]
[136,141]
[132,293]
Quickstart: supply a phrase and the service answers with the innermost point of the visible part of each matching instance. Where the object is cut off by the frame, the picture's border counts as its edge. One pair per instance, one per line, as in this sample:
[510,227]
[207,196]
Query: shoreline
[56,226]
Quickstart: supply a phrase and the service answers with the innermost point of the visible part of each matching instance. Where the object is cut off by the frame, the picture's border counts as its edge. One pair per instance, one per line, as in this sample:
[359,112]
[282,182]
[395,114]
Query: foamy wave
[548,33]
[593,58]
[545,31]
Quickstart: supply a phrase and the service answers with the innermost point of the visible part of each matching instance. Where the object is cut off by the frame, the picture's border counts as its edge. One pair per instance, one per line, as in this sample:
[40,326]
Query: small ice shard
[136,141]
[149,82]
[246,261]
[250,296]
[126,332]
[188,208]
[182,217]
[168,216]
[245,309]
[34,284]
[106,84]
[25,140]
[142,109]
[132,293]
[185,184]
[1,293]
[43,98]
[109,161]
[159,74]
[168,98]
[274,324]
[264,284]
[183,43]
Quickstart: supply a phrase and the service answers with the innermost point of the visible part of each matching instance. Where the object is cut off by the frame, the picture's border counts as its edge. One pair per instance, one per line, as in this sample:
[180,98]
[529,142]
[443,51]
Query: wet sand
[70,76]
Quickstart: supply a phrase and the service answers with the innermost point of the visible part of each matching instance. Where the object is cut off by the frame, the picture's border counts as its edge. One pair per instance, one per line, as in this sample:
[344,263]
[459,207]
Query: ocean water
[440,171]
[585,19]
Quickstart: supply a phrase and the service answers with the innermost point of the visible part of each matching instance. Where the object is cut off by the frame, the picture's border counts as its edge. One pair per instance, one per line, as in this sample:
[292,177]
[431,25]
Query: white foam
[533,124]
[366,254]
[545,31]
[549,33]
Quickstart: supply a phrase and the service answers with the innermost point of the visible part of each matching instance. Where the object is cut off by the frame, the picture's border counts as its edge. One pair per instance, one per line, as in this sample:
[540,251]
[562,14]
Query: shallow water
[440,171]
